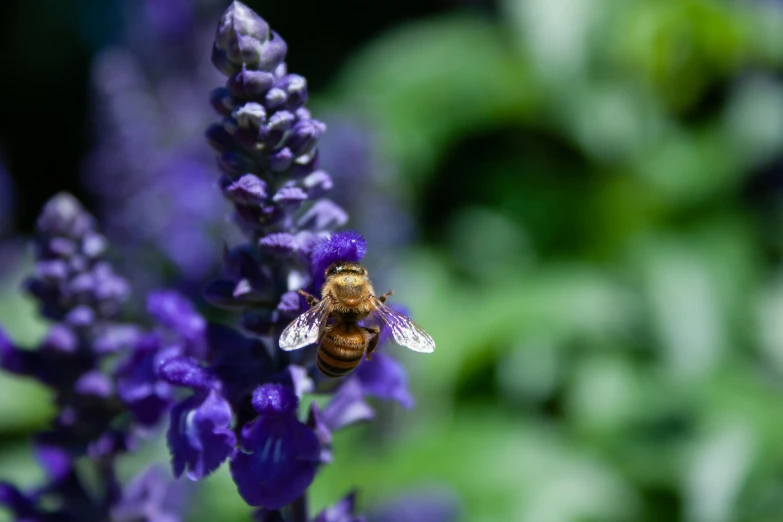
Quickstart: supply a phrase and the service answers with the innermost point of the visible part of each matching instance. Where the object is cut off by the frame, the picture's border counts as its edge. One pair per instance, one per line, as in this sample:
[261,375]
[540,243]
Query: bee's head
[348,282]
[345,268]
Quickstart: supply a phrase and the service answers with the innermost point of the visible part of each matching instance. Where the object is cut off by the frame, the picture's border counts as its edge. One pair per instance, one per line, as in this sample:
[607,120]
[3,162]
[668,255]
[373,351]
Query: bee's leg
[375,333]
[311,299]
[382,298]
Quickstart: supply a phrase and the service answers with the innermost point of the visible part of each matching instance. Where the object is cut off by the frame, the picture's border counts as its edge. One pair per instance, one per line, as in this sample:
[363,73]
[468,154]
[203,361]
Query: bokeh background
[582,201]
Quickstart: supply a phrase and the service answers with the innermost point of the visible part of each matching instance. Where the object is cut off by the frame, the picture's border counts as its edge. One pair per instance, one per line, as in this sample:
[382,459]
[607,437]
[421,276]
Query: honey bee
[347,297]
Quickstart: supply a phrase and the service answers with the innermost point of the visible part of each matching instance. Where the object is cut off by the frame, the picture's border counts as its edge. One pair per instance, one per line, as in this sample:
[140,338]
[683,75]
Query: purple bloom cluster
[149,170]
[245,391]
[231,396]
[100,371]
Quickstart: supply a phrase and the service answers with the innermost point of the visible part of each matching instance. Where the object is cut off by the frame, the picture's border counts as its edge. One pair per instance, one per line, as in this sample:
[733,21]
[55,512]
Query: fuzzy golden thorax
[351,291]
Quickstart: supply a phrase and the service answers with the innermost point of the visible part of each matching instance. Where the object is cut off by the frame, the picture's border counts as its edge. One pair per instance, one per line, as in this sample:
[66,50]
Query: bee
[347,297]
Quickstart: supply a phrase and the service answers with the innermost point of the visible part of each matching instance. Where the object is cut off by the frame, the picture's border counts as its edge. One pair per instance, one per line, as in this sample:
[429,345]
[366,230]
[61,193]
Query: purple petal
[117,337]
[55,460]
[295,88]
[185,371]
[305,242]
[275,98]
[94,383]
[60,338]
[273,398]
[290,196]
[273,53]
[278,461]
[347,406]
[151,496]
[248,190]
[276,128]
[338,247]
[317,184]
[323,215]
[138,383]
[280,161]
[250,84]
[290,304]
[11,359]
[110,444]
[279,244]
[21,504]
[305,135]
[53,271]
[342,511]
[385,378]
[64,215]
[200,436]
[174,311]
[80,317]
[241,34]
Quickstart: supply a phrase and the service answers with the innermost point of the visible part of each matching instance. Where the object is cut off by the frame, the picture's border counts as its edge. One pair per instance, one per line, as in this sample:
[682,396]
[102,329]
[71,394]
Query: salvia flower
[279,454]
[245,392]
[101,372]
[231,396]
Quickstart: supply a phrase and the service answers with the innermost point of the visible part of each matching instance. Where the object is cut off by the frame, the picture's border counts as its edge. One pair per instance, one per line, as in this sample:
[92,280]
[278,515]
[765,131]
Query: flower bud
[250,84]
[305,135]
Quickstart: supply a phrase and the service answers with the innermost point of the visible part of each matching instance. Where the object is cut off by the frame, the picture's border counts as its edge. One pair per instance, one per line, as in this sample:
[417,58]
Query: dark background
[47,47]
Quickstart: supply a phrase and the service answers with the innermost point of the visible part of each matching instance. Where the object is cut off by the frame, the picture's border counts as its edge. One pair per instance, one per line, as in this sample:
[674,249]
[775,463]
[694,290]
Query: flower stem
[299,509]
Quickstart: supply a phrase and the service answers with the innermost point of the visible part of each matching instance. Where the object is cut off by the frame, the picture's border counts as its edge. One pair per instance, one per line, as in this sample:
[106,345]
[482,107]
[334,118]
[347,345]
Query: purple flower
[200,436]
[71,280]
[138,385]
[245,390]
[21,504]
[243,41]
[150,496]
[100,371]
[176,314]
[346,407]
[239,392]
[342,511]
[340,246]
[385,378]
[278,455]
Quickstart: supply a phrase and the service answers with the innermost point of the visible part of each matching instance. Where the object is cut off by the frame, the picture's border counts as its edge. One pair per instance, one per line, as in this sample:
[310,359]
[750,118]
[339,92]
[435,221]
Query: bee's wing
[405,332]
[307,328]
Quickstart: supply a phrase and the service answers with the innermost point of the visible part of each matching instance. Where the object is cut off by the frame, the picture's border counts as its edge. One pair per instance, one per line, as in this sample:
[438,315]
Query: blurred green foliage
[598,265]
[600,273]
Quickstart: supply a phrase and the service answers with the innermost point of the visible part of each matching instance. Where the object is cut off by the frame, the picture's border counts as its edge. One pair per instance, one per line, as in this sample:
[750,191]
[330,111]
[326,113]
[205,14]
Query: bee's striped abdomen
[333,367]
[341,350]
